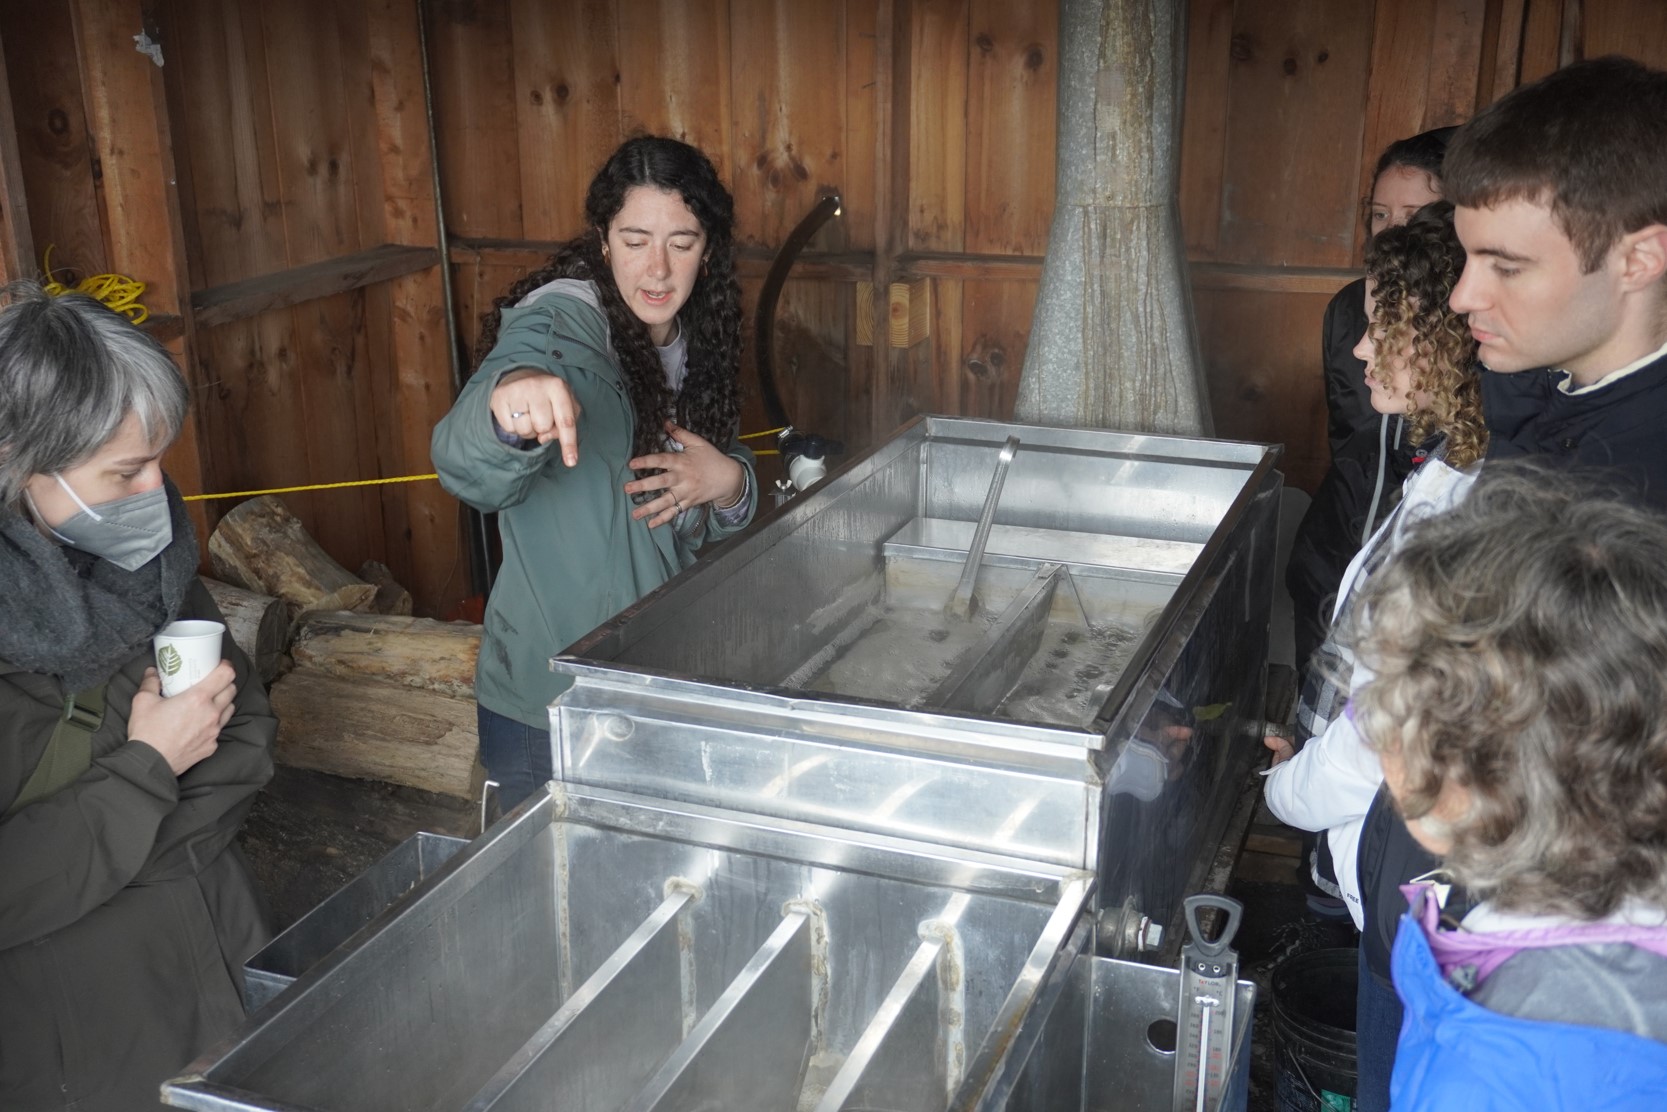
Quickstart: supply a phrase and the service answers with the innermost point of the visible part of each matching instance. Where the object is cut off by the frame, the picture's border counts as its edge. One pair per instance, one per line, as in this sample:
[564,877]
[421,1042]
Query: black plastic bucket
[1313,1030]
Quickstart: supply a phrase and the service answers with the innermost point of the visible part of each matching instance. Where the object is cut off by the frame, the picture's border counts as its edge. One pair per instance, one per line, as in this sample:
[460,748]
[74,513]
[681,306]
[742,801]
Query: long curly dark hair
[709,403]
[1414,268]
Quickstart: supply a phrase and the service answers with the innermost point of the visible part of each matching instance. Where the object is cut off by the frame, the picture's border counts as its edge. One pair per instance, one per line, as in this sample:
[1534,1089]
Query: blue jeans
[1377,1028]
[515,754]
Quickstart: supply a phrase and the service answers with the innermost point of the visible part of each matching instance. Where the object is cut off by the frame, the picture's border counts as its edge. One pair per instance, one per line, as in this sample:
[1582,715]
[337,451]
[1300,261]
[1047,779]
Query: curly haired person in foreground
[1518,706]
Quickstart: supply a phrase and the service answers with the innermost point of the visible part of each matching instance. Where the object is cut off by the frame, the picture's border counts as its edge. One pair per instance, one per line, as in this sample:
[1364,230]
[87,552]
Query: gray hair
[1519,651]
[71,371]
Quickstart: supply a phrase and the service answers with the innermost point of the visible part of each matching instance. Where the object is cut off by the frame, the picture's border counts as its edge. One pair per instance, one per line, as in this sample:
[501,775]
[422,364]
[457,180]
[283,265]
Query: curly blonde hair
[1518,645]
[1413,269]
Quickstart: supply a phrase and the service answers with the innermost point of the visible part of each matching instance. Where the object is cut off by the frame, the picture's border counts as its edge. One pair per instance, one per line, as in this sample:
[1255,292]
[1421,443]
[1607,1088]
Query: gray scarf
[69,614]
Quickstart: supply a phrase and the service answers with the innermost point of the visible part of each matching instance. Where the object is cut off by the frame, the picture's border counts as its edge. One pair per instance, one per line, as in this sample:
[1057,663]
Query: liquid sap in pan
[901,655]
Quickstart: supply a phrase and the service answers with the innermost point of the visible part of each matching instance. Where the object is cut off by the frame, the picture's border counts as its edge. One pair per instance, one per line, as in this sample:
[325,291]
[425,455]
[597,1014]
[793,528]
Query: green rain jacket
[573,557]
[126,913]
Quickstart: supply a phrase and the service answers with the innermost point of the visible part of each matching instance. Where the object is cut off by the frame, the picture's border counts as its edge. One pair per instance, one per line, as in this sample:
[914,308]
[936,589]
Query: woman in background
[1370,452]
[1421,363]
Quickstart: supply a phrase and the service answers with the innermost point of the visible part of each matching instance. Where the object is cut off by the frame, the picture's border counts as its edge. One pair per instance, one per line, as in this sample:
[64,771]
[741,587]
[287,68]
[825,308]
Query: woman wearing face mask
[125,911]
[600,426]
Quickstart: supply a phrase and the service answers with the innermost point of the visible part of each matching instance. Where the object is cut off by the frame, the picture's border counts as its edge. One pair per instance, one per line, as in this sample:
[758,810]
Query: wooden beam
[965,267]
[238,300]
[1271,279]
[164,328]
[17,241]
[132,138]
[750,262]
[415,379]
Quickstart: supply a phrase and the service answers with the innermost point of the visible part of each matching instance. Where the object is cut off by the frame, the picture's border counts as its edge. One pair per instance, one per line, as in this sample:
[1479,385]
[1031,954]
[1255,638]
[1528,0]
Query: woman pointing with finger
[600,426]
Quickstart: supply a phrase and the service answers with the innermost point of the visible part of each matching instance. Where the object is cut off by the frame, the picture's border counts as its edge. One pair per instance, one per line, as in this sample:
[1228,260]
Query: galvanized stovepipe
[1113,343]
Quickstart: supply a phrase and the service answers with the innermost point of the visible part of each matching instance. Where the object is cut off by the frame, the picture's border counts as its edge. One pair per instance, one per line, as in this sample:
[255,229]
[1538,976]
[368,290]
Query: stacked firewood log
[360,687]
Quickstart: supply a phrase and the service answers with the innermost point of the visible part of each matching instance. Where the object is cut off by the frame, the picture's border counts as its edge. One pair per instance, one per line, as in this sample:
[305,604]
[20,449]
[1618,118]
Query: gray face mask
[128,532]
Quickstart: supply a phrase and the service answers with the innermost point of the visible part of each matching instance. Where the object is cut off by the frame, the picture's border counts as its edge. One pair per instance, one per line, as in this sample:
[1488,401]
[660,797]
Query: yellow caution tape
[309,486]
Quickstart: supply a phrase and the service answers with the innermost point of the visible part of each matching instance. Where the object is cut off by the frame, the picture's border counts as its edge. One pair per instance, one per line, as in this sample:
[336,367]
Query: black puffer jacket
[1348,400]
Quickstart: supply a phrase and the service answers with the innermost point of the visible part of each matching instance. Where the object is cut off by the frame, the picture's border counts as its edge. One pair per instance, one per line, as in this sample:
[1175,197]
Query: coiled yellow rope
[117,291]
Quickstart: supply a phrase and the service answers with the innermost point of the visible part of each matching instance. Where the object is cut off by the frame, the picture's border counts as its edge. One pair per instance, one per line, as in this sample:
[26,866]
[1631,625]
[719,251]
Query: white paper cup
[186,652]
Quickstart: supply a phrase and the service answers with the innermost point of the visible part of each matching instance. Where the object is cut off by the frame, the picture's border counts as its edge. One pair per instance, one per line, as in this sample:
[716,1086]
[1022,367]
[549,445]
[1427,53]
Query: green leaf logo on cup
[169,660]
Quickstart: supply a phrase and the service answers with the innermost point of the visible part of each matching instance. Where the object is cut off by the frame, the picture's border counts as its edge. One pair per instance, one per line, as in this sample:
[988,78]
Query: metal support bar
[886,1068]
[577,1059]
[988,671]
[962,603]
[749,1052]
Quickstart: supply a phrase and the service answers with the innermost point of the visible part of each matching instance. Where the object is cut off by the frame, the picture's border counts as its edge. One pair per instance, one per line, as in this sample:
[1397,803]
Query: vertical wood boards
[1275,369]
[1637,28]
[305,137]
[1542,35]
[1294,132]
[995,332]
[788,136]
[674,74]
[811,326]
[17,241]
[937,106]
[132,143]
[566,107]
[319,175]
[57,167]
[1210,56]
[1013,81]
[413,379]
[471,59]
[1426,66]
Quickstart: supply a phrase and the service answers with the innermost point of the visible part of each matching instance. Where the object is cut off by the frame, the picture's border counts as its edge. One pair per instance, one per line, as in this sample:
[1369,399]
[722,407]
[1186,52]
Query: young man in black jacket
[1561,190]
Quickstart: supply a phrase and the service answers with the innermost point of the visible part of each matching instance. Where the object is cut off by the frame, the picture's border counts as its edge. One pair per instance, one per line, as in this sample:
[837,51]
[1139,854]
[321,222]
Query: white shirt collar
[1567,385]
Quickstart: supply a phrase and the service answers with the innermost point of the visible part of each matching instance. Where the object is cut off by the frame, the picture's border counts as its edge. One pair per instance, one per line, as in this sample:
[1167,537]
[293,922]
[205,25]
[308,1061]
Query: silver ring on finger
[517,414]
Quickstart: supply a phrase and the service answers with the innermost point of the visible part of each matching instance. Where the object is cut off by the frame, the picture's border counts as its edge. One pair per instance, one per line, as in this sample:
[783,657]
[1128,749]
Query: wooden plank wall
[273,181]
[1289,103]
[306,143]
[935,121]
[932,119]
[272,170]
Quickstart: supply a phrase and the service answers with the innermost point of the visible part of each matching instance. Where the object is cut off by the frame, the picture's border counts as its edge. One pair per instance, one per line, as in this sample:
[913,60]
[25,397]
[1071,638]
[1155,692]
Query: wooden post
[1113,343]
[128,121]
[416,376]
[17,244]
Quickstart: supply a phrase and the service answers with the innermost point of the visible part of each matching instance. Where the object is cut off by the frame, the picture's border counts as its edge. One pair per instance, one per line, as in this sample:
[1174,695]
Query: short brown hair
[1589,141]
[1519,650]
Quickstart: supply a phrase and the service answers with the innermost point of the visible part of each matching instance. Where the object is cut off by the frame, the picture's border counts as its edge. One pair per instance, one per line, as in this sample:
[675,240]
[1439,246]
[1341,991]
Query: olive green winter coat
[573,557]
[125,911]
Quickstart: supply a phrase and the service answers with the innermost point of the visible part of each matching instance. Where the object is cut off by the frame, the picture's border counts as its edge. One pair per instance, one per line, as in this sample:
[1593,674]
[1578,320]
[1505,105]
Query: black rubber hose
[765,323]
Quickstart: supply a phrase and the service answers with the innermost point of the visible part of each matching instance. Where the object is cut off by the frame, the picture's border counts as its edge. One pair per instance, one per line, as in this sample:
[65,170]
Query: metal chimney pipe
[1113,342]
